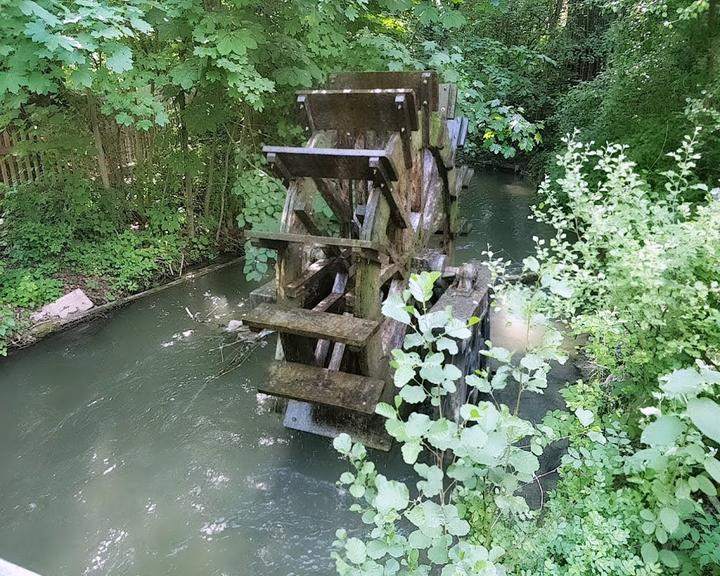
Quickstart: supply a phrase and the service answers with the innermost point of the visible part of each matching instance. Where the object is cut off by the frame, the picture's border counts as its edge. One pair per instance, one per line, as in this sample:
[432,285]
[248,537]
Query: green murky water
[125,449]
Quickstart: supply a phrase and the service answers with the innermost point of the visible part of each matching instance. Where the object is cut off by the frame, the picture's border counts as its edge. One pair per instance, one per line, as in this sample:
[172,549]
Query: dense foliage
[144,121]
[633,270]
[145,118]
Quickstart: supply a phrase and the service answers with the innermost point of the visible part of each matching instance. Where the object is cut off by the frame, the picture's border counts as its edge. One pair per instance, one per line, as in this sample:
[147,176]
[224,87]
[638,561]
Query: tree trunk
[210,180]
[187,176]
[100,151]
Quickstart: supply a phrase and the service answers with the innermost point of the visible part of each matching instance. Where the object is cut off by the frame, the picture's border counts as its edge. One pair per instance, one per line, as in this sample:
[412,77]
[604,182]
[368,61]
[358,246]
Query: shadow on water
[122,452]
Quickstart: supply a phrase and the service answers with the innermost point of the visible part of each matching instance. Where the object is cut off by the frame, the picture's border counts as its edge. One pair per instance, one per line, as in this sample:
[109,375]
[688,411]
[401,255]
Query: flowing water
[128,446]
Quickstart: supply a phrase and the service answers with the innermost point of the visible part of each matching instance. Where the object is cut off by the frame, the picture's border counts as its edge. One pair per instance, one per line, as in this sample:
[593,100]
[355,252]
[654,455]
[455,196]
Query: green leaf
[140,25]
[687,381]
[385,410]
[417,425]
[452,19]
[376,549]
[649,553]
[418,540]
[421,285]
[394,307]
[82,77]
[532,264]
[670,519]
[531,362]
[712,466]
[663,432]
[476,382]
[355,550]
[524,462]
[391,495]
[705,414]
[706,485]
[342,443]
[669,558]
[586,417]
[446,344]
[433,483]
[410,451]
[120,60]
[413,394]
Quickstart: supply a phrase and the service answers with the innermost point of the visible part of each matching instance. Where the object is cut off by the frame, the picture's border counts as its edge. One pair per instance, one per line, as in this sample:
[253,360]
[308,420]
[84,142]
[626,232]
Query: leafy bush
[642,261]
[472,465]
[23,288]
[262,202]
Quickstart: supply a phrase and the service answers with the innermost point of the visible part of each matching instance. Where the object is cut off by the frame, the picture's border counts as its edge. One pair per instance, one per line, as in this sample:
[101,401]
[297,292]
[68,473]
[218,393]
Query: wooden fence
[18,162]
[22,158]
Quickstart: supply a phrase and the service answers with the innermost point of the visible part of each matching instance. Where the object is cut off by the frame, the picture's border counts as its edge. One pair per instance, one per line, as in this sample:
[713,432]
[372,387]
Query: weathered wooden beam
[306,114]
[355,332]
[323,386]
[405,127]
[423,84]
[382,179]
[336,357]
[331,195]
[325,305]
[347,163]
[447,99]
[312,226]
[322,267]
[276,240]
[266,293]
[356,109]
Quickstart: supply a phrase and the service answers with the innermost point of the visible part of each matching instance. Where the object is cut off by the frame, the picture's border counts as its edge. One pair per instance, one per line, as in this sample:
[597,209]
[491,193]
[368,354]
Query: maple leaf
[121,59]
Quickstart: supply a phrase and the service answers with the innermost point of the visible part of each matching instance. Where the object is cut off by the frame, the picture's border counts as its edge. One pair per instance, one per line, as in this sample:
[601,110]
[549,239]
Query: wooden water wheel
[380,156]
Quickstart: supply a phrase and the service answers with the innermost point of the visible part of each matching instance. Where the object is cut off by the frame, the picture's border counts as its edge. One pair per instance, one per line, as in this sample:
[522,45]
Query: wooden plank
[334,199]
[329,422]
[312,273]
[467,177]
[336,357]
[356,109]
[10,159]
[451,100]
[322,386]
[349,163]
[266,293]
[457,180]
[355,332]
[444,96]
[404,119]
[277,240]
[330,301]
[308,221]
[397,213]
[462,133]
[419,82]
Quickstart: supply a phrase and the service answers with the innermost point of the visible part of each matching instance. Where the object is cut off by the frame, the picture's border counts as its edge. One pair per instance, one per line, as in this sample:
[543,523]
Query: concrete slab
[72,302]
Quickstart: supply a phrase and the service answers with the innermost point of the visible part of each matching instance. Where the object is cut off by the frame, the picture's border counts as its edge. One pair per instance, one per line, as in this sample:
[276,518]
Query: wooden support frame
[293,162]
[383,181]
[279,240]
[305,113]
[341,209]
[355,110]
[403,111]
[319,268]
